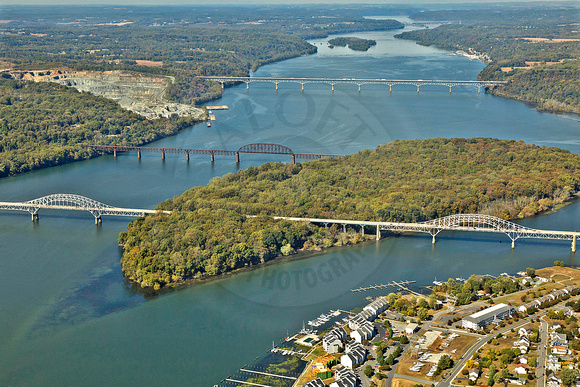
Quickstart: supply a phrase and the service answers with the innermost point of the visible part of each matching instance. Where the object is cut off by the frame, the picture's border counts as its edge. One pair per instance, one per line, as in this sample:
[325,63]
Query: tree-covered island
[356,44]
[208,231]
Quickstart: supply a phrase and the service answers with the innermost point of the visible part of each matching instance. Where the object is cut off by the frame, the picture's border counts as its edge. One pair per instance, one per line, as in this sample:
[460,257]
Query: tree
[530,272]
[368,371]
[568,377]
[445,362]
[423,313]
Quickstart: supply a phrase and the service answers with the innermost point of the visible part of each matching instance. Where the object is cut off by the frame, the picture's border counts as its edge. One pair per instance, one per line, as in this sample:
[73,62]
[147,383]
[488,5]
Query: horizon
[138,3]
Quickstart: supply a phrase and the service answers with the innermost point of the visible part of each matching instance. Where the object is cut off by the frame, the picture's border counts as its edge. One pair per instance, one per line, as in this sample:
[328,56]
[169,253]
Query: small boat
[208,123]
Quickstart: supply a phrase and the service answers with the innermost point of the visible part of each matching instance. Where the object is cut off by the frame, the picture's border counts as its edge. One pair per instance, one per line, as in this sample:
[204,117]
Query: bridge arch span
[266,148]
[69,200]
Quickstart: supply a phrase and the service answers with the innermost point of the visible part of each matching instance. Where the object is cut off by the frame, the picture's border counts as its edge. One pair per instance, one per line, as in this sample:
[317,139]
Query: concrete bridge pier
[433,240]
[574,244]
[478,88]
[139,154]
[359,88]
[187,156]
[362,230]
[114,153]
[98,220]
[293,159]
[222,85]
[247,85]
[418,89]
[513,243]
[344,228]
[212,157]
[302,86]
[238,157]
[332,87]
[35,216]
[449,89]
[163,155]
[276,86]
[378,232]
[390,88]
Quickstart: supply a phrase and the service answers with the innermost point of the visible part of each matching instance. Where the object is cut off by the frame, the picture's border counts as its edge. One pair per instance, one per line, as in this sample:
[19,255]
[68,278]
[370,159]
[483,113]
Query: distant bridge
[354,81]
[76,203]
[459,222]
[272,149]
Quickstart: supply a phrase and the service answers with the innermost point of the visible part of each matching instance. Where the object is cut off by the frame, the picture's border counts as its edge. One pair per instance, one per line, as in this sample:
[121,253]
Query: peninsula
[209,231]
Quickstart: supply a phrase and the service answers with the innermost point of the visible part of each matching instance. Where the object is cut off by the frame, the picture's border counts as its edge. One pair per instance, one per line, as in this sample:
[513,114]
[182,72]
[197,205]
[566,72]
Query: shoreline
[304,254]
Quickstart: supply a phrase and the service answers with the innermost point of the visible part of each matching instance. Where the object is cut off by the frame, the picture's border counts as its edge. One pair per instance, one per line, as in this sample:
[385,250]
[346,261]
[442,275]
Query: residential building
[315,383]
[521,369]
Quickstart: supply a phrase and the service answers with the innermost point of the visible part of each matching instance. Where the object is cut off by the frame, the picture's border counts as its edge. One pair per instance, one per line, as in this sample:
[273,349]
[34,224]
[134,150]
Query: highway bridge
[353,81]
[75,203]
[271,149]
[459,222]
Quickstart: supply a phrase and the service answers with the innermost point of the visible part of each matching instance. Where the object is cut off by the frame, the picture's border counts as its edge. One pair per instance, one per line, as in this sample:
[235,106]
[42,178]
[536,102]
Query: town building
[487,316]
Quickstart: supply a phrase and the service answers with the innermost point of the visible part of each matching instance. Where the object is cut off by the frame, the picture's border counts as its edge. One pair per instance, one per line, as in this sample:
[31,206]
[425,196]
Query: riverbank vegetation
[356,44]
[535,50]
[45,124]
[208,231]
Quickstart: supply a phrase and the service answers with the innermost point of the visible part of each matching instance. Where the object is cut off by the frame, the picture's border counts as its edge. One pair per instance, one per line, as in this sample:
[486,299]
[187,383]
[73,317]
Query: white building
[487,316]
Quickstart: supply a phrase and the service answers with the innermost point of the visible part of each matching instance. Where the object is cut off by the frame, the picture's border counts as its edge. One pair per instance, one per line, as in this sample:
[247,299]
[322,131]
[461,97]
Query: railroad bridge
[262,148]
[354,81]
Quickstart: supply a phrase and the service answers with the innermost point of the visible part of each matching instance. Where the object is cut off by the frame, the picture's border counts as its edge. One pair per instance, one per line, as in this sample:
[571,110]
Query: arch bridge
[354,81]
[75,203]
[458,222]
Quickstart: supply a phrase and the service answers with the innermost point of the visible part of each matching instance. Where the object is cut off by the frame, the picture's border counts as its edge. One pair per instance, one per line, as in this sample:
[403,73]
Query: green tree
[368,371]
[531,272]
[568,376]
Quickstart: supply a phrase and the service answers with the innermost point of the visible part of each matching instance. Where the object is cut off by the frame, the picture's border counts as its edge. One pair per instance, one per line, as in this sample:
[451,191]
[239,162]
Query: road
[542,348]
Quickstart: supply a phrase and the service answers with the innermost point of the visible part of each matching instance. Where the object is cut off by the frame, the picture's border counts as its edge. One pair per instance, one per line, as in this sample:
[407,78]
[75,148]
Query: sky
[238,2]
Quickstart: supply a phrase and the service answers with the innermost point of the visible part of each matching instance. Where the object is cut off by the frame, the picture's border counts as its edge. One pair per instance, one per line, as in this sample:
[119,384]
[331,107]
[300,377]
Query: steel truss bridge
[76,203]
[354,81]
[459,222]
[272,149]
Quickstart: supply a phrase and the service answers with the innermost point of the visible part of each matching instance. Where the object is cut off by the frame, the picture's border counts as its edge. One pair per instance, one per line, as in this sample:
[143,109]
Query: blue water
[69,318]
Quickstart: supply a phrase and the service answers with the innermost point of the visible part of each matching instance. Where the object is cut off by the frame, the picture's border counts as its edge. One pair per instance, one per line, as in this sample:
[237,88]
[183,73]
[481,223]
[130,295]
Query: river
[69,318]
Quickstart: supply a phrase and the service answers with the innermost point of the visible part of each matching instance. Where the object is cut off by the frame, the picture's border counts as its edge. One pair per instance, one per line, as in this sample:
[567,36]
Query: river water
[67,317]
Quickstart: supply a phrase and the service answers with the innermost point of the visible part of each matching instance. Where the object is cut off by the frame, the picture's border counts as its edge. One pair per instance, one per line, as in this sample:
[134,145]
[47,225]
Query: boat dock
[401,285]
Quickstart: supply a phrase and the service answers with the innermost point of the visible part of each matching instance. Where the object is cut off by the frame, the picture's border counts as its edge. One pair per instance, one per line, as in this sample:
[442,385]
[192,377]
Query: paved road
[417,380]
[542,348]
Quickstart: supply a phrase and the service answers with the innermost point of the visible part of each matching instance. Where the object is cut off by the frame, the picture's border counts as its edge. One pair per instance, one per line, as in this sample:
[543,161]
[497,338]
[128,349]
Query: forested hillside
[208,232]
[183,41]
[45,124]
[536,50]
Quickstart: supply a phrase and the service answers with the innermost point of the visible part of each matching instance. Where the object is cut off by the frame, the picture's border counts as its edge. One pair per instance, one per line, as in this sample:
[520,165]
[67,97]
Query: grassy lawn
[560,273]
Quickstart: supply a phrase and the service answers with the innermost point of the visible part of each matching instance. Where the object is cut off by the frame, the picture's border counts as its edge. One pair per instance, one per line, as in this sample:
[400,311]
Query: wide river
[68,318]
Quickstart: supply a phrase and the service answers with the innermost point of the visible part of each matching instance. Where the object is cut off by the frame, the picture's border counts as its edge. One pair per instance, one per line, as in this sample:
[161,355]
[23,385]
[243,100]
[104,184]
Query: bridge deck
[352,80]
[521,232]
